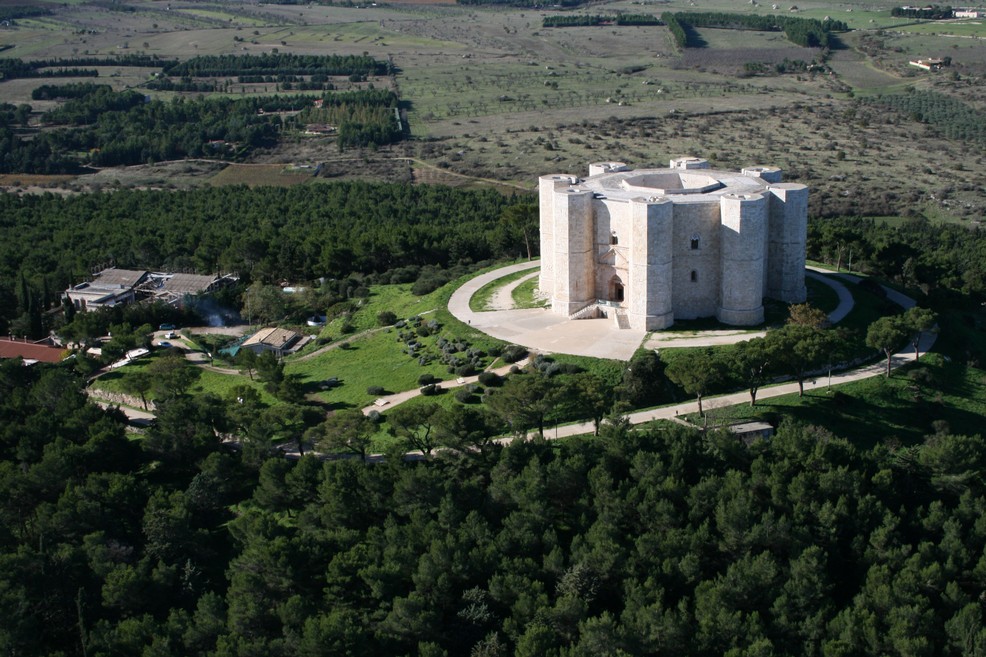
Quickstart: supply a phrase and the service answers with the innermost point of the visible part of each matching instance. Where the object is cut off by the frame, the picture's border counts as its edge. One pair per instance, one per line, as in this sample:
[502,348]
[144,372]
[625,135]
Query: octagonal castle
[656,245]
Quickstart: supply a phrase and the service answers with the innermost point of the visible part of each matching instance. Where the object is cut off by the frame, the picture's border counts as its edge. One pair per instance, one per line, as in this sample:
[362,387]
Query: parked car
[167,327]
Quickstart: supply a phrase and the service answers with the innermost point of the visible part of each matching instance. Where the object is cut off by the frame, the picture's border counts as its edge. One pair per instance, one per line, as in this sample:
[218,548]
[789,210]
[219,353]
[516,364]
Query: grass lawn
[208,382]
[375,360]
[821,296]
[481,300]
[378,359]
[523,295]
[867,309]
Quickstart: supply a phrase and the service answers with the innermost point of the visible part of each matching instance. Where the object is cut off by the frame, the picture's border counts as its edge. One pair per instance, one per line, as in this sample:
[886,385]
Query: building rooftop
[30,351]
[123,278]
[683,186]
[188,283]
[273,337]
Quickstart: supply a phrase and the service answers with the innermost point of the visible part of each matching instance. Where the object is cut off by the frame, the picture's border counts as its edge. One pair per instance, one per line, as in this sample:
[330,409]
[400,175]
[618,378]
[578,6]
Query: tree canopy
[647,541]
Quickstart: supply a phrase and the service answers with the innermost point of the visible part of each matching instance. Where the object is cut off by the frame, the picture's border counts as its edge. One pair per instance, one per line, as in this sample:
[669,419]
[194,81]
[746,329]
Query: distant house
[31,352]
[970,13]
[278,340]
[930,64]
[110,287]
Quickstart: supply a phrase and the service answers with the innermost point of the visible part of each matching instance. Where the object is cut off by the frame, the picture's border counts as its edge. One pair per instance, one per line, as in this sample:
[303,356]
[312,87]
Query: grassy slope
[901,409]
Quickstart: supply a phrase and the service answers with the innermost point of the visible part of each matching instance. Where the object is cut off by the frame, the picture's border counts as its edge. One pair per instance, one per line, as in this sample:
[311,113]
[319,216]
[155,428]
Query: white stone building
[655,245]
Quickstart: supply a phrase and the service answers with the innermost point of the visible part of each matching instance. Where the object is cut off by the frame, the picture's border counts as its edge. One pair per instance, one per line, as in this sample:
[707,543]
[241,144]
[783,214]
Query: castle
[656,245]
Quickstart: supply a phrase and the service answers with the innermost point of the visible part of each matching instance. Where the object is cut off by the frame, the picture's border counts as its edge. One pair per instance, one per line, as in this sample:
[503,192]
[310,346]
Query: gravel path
[504,297]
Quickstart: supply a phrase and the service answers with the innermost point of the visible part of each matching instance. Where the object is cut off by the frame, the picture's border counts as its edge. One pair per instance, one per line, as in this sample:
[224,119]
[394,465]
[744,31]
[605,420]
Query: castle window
[613,239]
[694,242]
[694,276]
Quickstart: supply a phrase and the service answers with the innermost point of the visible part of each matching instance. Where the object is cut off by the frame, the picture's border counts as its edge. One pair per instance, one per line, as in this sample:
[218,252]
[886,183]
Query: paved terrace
[542,330]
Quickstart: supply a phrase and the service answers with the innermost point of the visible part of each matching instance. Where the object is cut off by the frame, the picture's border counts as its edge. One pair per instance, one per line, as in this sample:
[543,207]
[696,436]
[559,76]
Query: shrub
[561,368]
[464,396]
[427,379]
[426,284]
[491,379]
[375,417]
[386,318]
[431,389]
[376,391]
[465,370]
[513,353]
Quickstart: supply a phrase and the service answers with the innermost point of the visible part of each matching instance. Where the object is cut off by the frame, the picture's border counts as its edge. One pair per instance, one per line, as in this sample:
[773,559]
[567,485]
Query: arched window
[613,239]
[694,276]
[694,242]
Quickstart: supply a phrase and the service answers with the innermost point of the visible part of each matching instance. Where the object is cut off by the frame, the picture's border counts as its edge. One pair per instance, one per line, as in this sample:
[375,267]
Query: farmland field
[494,98]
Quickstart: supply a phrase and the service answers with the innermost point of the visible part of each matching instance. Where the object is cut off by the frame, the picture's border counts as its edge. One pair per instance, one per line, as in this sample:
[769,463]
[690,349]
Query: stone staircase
[587,312]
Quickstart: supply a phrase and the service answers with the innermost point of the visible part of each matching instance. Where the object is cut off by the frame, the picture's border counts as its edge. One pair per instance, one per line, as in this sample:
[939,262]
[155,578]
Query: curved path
[542,330]
[846,301]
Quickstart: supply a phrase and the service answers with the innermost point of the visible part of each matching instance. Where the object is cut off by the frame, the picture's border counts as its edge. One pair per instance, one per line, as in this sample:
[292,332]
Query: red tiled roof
[30,351]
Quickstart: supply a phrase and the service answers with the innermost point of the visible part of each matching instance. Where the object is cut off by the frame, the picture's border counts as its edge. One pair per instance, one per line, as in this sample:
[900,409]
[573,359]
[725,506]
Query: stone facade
[657,245]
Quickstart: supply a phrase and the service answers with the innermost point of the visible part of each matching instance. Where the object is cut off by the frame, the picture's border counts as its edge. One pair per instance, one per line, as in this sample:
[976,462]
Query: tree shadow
[692,38]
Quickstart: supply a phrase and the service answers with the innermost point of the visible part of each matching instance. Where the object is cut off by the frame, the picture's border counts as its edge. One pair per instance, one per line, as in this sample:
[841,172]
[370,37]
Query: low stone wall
[120,399]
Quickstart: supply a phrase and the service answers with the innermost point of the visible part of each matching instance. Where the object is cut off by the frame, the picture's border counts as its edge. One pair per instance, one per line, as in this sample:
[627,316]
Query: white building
[110,287]
[685,242]
[278,340]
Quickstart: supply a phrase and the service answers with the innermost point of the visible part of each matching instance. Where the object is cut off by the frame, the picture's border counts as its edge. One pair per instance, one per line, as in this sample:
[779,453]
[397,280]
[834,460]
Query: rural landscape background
[353,165]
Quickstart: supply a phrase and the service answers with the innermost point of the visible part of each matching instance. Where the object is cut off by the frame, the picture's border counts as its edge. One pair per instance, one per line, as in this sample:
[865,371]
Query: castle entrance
[617,291]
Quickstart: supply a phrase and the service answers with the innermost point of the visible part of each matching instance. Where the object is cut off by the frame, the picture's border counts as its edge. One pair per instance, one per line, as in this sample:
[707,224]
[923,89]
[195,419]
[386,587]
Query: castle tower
[573,250]
[771,175]
[688,163]
[547,185]
[742,240]
[787,236]
[606,167]
[650,306]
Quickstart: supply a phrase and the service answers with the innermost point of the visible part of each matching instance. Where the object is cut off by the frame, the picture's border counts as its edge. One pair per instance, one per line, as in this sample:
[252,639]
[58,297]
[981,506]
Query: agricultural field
[493,98]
